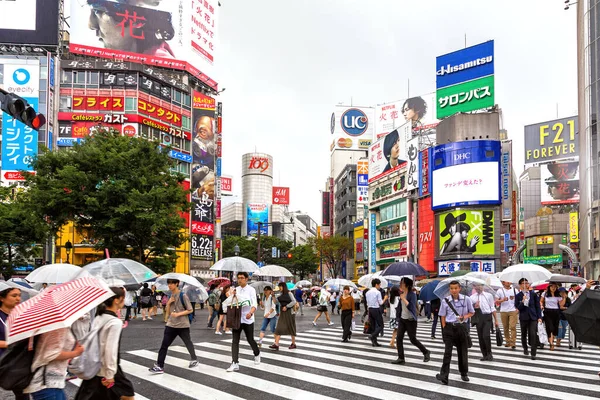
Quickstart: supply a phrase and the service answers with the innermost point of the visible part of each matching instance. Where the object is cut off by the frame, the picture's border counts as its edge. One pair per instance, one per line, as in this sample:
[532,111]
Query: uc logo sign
[354,122]
[21,76]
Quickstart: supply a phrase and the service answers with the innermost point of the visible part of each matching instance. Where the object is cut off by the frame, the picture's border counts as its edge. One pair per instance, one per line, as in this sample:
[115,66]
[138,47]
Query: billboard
[19,142]
[257,213]
[325,206]
[573,227]
[29,22]
[425,246]
[362,183]
[552,140]
[465,80]
[389,153]
[544,260]
[412,169]
[559,183]
[281,195]
[417,110]
[178,34]
[351,126]
[373,242]
[203,175]
[466,173]
[425,172]
[445,268]
[466,232]
[506,171]
[390,188]
[226,185]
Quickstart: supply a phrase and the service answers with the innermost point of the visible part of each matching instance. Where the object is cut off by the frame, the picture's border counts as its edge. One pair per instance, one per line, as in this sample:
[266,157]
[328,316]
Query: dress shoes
[443,380]
[465,378]
[399,361]
[427,356]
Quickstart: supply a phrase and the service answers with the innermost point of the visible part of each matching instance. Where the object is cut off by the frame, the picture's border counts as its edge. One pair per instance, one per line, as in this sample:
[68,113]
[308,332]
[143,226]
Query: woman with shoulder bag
[286,325]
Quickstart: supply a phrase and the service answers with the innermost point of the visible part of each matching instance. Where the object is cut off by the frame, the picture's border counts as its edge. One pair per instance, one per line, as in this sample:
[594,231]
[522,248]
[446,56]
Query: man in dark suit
[530,313]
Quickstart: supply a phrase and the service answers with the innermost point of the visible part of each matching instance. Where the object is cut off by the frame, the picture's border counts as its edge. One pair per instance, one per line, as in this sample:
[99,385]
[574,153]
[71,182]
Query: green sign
[545,260]
[464,97]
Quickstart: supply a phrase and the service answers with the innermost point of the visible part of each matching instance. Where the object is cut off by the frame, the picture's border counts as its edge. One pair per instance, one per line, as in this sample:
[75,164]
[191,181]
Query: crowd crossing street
[322,367]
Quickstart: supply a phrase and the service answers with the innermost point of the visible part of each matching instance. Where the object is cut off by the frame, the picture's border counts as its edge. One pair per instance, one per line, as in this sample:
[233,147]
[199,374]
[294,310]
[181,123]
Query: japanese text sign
[465,65]
[100,103]
[446,268]
[559,183]
[161,113]
[465,97]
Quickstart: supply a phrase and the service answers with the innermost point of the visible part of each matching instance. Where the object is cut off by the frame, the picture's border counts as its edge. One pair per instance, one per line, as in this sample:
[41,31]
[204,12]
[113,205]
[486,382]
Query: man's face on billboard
[204,128]
[109,32]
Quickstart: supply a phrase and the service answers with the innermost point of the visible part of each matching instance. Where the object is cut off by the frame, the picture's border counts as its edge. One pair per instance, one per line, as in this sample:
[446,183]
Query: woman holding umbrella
[9,299]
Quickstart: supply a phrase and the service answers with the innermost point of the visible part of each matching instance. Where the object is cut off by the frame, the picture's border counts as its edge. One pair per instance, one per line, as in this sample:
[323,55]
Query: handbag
[366,327]
[466,328]
[234,314]
[353,325]
[476,317]
[542,335]
[499,338]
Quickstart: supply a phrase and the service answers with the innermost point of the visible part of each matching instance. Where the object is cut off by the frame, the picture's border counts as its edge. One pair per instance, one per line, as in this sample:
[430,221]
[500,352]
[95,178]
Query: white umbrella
[129,271]
[466,283]
[54,273]
[531,272]
[338,284]
[274,271]
[260,286]
[303,283]
[365,280]
[195,294]
[182,278]
[235,264]
[566,279]
[490,279]
[26,293]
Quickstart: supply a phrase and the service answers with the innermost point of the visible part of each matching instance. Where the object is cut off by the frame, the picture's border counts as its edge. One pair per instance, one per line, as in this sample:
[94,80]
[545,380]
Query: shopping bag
[542,336]
[234,314]
[499,338]
[353,325]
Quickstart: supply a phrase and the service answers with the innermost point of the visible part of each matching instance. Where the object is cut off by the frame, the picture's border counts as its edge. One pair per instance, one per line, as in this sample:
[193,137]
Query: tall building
[588,74]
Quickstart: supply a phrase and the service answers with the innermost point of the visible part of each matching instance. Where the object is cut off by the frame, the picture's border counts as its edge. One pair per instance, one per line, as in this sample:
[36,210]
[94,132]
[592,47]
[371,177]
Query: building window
[185,123]
[177,97]
[66,77]
[92,78]
[392,211]
[130,104]
[79,79]
[186,145]
[187,100]
[65,103]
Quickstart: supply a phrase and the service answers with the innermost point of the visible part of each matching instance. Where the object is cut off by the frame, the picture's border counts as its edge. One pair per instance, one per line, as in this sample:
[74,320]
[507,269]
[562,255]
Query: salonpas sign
[465,80]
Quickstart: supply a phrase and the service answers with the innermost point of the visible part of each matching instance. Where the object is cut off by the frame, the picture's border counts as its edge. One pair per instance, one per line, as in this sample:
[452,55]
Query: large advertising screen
[19,142]
[560,183]
[552,140]
[466,173]
[178,34]
[466,232]
[419,111]
[29,22]
[257,213]
[203,175]
[389,153]
[352,127]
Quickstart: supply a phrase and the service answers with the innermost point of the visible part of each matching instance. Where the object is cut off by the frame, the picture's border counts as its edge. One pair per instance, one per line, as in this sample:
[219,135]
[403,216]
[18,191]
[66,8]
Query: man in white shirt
[483,303]
[245,296]
[374,302]
[508,313]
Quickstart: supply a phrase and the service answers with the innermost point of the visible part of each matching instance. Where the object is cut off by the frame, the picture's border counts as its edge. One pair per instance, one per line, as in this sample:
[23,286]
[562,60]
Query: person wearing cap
[530,314]
[485,309]
[178,324]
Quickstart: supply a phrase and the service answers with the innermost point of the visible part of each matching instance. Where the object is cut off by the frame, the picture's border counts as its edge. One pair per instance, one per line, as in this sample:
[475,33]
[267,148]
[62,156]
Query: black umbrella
[405,268]
[584,317]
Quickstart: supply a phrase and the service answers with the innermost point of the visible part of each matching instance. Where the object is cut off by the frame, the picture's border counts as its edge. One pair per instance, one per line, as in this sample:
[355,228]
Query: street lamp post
[68,248]
[236,250]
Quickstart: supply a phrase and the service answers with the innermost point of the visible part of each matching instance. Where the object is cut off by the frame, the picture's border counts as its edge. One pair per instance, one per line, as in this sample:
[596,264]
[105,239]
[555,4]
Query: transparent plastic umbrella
[489,279]
[273,271]
[303,283]
[54,273]
[367,279]
[235,264]
[129,271]
[26,293]
[338,284]
[467,284]
[531,272]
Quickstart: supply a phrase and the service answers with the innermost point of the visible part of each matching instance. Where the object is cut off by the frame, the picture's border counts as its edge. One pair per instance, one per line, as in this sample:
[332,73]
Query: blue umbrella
[426,293]
[405,268]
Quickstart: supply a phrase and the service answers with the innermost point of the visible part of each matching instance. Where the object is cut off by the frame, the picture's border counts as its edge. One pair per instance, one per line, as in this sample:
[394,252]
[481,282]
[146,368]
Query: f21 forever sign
[552,140]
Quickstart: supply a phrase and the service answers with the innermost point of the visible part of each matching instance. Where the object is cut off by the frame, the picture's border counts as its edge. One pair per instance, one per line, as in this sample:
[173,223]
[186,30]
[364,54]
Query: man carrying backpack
[178,324]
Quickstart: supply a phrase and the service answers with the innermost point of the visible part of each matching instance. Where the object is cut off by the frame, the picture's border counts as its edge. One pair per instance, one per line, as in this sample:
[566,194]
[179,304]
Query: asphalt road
[324,368]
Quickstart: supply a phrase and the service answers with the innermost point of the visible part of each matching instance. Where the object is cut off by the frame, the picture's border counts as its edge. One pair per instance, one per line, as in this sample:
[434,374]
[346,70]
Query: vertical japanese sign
[19,142]
[506,180]
[425,246]
[425,172]
[362,185]
[203,176]
[373,242]
[412,155]
[574,227]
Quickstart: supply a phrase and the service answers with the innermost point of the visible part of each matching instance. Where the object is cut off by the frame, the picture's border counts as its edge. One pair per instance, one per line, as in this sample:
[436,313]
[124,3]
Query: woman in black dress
[286,325]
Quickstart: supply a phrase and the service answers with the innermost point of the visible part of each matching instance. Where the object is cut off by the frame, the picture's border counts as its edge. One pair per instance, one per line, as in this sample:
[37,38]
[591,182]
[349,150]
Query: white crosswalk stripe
[322,367]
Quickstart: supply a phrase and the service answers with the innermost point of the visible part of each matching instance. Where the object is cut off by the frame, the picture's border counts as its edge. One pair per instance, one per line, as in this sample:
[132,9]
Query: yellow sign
[574,227]
[544,240]
[364,143]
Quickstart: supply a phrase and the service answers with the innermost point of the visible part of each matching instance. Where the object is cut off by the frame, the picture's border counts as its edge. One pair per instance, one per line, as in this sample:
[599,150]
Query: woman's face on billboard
[111,31]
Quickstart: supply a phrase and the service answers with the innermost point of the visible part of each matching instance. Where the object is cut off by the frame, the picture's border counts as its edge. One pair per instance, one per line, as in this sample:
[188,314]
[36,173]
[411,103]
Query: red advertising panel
[161,113]
[226,185]
[425,245]
[325,209]
[98,103]
[281,195]
[173,34]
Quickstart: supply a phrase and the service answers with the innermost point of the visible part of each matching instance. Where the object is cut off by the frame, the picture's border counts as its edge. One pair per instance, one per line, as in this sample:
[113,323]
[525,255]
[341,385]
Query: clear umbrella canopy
[54,273]
[273,271]
[235,264]
[129,271]
[468,285]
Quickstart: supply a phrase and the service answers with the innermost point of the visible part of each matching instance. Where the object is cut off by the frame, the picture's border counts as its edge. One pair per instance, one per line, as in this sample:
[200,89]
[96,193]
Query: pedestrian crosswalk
[322,367]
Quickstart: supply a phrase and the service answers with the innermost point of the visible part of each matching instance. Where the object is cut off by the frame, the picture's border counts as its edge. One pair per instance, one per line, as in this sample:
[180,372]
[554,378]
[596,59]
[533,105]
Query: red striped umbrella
[55,308]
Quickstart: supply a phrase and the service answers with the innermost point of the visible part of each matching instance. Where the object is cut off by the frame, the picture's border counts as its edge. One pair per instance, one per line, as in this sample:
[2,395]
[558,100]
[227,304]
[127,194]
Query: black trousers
[455,335]
[128,313]
[410,327]
[332,303]
[194,309]
[168,338]
[376,319]
[346,323]
[248,330]
[434,322]
[529,329]
[484,328]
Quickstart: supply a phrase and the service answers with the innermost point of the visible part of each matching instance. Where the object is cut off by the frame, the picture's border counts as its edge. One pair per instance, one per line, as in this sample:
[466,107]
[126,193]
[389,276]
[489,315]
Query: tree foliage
[304,261]
[120,188]
[333,250]
[21,231]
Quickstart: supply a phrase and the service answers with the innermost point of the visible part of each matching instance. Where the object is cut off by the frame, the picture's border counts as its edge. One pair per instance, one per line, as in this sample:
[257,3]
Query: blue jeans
[562,329]
[271,322]
[49,394]
[215,314]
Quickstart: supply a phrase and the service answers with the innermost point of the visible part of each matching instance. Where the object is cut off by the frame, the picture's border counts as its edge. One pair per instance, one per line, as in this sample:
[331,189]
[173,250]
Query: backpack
[15,365]
[190,315]
[88,364]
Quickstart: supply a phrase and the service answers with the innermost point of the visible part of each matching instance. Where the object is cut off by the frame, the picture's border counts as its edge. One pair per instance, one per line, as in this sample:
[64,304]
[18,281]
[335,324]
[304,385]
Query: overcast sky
[286,64]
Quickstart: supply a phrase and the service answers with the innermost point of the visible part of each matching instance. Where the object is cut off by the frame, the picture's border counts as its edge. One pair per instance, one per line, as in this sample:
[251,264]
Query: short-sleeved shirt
[463,306]
[374,299]
[551,302]
[508,305]
[182,321]
[486,302]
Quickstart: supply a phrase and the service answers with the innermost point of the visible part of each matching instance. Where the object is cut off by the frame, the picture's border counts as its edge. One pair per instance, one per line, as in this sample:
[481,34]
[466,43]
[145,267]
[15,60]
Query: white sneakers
[234,367]
[331,323]
[314,323]
[257,359]
[218,333]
